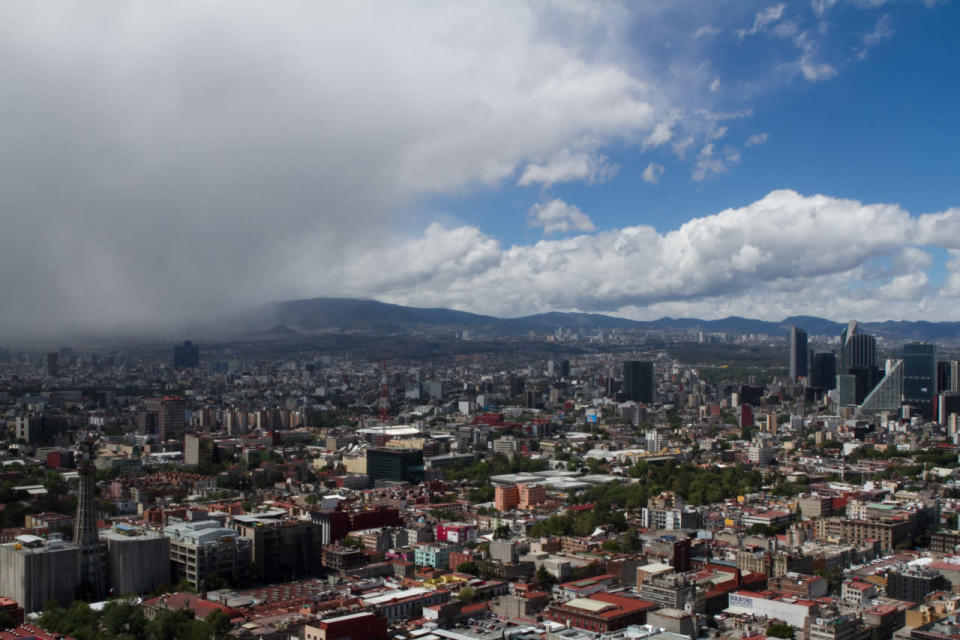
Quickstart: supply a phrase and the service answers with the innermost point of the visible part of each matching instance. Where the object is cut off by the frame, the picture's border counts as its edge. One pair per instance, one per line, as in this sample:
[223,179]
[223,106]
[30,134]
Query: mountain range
[317,315]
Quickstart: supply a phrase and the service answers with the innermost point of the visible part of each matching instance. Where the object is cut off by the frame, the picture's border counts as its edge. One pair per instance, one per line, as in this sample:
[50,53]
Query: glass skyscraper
[920,376]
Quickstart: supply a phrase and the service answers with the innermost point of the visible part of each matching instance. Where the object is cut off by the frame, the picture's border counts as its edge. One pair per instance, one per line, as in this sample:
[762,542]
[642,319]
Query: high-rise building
[856,349]
[920,377]
[857,358]
[887,395]
[395,465]
[170,414]
[85,532]
[799,353]
[52,360]
[34,570]
[638,381]
[186,355]
[823,371]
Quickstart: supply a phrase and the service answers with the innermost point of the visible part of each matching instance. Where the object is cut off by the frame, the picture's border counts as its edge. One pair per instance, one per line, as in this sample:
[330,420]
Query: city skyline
[760,160]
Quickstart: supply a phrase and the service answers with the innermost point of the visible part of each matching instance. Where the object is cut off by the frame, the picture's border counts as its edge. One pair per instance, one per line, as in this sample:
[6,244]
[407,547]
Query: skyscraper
[52,361]
[186,355]
[638,380]
[85,532]
[858,358]
[887,395]
[856,349]
[170,416]
[798,353]
[823,371]
[920,376]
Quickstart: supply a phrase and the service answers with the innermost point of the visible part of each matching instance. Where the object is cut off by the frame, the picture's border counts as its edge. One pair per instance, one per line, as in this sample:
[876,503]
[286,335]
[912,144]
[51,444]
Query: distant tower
[186,356]
[85,533]
[52,361]
[384,394]
[638,381]
[798,354]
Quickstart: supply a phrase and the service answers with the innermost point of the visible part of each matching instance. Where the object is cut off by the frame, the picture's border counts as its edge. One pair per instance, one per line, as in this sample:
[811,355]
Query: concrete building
[395,465]
[198,549]
[170,412]
[40,429]
[137,560]
[368,626]
[674,591]
[506,498]
[283,549]
[433,555]
[34,570]
[531,495]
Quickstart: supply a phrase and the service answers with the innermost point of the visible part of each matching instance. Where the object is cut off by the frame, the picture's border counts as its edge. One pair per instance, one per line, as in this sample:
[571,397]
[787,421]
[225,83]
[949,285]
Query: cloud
[653,172]
[557,216]
[163,164]
[710,162]
[566,166]
[783,254]
[762,20]
[706,30]
[757,139]
[882,30]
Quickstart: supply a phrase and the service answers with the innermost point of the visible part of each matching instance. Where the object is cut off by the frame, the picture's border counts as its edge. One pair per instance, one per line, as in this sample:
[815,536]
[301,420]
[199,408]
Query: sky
[170,163]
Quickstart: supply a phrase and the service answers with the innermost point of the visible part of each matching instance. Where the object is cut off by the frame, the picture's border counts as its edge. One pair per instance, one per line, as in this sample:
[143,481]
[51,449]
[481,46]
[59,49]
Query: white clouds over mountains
[778,255]
[162,162]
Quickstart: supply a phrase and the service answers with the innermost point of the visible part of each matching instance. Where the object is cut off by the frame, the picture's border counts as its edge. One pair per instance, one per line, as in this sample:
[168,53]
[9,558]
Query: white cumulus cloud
[653,172]
[558,216]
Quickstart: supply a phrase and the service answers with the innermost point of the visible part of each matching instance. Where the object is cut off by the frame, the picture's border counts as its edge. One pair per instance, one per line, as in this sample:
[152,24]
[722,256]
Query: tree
[217,625]
[834,578]
[6,621]
[780,630]
[470,567]
[467,595]
[502,532]
[544,577]
[123,620]
[628,540]
[172,624]
[311,498]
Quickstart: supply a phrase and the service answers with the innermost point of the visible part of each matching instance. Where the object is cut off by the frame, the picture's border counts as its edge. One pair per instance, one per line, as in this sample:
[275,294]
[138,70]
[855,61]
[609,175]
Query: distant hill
[297,317]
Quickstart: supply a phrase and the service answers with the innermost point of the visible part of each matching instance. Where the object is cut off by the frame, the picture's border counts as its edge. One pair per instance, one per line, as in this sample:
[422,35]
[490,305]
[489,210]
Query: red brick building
[602,612]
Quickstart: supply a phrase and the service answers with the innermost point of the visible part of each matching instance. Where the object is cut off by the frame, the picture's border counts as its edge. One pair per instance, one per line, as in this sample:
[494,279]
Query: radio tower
[86,535]
[384,394]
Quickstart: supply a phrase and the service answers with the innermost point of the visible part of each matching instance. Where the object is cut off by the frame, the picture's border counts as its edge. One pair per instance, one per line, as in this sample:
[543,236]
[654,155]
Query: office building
[856,349]
[197,450]
[34,570]
[201,548]
[40,429]
[137,560]
[674,591]
[799,353]
[823,371]
[170,416]
[283,549]
[888,394]
[913,584]
[920,377]
[638,381]
[395,465]
[506,498]
[186,356]
[52,364]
